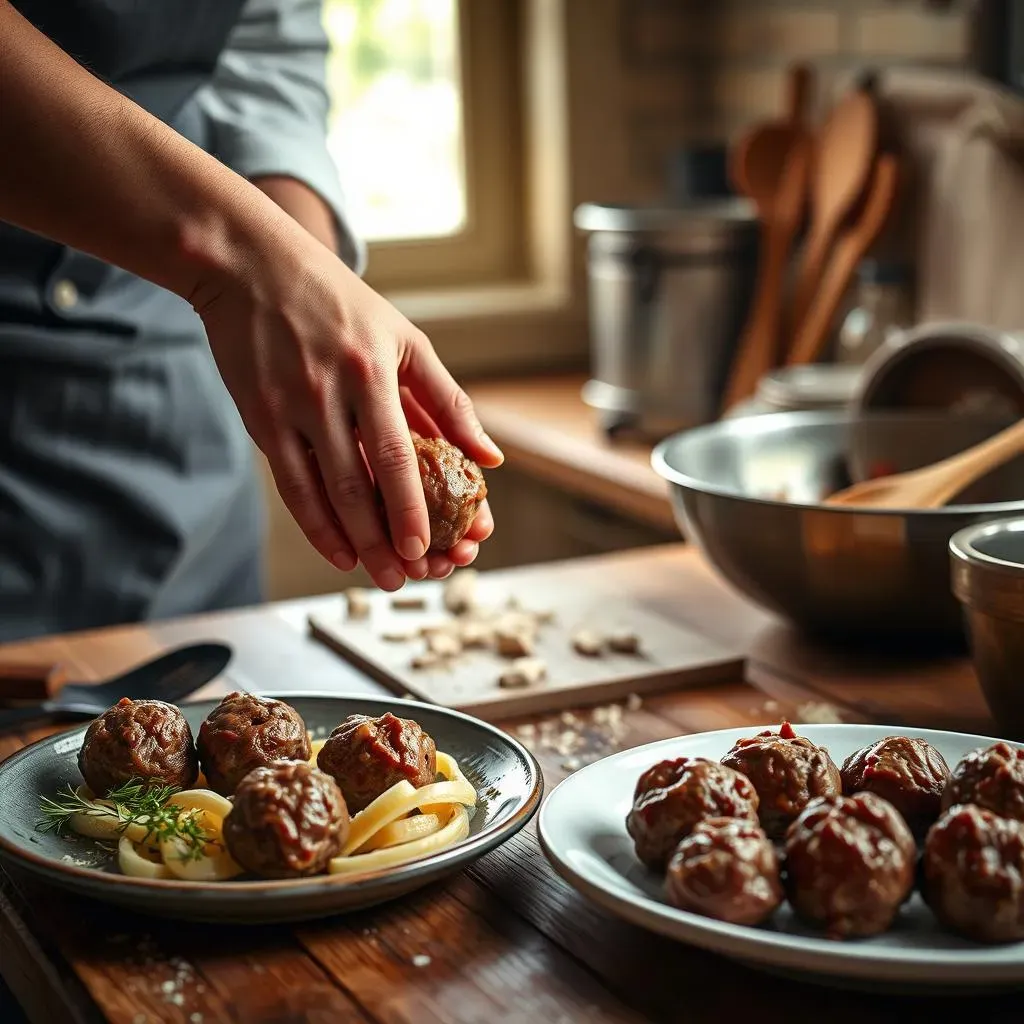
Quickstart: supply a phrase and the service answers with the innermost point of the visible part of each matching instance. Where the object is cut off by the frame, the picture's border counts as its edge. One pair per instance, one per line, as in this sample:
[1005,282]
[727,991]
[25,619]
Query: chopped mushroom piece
[475,634]
[623,642]
[460,592]
[587,643]
[408,603]
[396,638]
[357,603]
[444,645]
[523,672]
[426,660]
[513,645]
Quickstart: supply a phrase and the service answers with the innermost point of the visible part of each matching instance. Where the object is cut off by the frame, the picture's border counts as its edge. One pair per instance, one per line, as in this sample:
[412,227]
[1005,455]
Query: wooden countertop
[507,939]
[544,428]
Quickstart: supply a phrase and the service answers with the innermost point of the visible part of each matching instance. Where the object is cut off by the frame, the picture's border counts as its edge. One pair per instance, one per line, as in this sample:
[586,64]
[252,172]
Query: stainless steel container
[749,493]
[669,289]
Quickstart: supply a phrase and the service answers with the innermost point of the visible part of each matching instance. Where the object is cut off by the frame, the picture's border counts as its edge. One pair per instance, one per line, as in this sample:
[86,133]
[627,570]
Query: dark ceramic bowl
[988,580]
[504,773]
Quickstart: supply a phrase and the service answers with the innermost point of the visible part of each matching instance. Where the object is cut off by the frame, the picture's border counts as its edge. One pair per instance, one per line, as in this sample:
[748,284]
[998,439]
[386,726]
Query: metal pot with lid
[669,288]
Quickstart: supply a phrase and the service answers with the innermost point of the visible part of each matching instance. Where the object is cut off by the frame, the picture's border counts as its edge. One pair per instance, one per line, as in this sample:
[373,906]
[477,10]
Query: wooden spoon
[843,162]
[758,349]
[851,247]
[938,484]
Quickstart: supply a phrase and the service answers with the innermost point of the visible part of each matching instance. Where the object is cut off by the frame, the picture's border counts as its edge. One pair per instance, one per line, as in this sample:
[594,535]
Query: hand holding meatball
[973,874]
[367,756]
[850,864]
[289,819]
[787,770]
[726,868]
[144,740]
[453,487]
[910,773]
[673,797]
[992,778]
[245,732]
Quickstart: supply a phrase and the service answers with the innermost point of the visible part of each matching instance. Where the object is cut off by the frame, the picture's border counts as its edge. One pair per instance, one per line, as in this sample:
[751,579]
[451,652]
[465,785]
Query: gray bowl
[988,580]
[748,491]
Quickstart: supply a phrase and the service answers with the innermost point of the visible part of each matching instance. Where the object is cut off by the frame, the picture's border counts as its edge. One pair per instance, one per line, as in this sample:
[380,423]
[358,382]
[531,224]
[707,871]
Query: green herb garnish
[133,803]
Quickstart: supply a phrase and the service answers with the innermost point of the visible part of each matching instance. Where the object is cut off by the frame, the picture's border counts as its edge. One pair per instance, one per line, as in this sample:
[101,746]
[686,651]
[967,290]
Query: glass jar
[883,305]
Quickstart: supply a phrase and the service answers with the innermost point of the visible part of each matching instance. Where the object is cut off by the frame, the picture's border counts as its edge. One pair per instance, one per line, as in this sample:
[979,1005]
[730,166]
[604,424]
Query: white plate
[583,833]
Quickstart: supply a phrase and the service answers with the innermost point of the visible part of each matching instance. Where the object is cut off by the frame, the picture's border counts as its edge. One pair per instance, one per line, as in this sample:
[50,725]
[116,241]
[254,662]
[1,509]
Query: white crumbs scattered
[195,1018]
[421,960]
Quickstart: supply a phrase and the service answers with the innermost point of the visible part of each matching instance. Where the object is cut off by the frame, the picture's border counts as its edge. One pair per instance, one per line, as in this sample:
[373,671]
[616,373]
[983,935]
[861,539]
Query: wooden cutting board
[670,655]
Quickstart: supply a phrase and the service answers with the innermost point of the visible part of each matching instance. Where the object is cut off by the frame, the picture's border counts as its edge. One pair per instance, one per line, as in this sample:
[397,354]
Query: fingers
[416,416]
[482,526]
[447,404]
[351,493]
[301,490]
[389,452]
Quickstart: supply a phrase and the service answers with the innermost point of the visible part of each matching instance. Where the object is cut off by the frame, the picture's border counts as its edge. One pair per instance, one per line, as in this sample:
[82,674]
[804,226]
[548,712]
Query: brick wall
[696,70]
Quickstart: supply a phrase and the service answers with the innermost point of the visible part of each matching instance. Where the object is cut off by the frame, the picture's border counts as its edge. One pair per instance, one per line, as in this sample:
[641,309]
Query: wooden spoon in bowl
[936,485]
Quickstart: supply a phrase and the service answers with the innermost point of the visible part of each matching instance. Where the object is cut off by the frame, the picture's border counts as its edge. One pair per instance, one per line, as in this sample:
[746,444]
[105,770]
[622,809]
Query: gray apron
[127,485]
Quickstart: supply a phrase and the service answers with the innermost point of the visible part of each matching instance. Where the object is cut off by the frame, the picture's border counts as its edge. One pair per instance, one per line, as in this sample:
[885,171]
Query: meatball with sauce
[245,732]
[973,874]
[850,864]
[144,740]
[910,773]
[726,868]
[992,778]
[787,770]
[367,756]
[453,487]
[289,819]
[673,797]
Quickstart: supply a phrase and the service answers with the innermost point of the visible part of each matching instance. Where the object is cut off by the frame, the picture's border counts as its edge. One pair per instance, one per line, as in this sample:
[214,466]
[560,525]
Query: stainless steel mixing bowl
[747,491]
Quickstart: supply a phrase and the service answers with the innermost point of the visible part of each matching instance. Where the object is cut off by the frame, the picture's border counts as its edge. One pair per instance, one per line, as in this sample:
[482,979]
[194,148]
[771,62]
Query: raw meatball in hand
[673,797]
[973,874]
[289,819]
[787,770]
[245,732]
[992,778]
[453,487]
[850,864]
[367,756]
[910,773]
[145,740]
[726,868]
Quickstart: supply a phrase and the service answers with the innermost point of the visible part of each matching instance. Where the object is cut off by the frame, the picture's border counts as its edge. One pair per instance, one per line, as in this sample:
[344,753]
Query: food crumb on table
[195,1018]
[421,960]
[818,713]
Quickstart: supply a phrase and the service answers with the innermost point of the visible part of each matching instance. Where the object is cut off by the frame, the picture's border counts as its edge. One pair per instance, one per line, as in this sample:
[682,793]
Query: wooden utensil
[844,158]
[668,656]
[938,484]
[758,348]
[851,246]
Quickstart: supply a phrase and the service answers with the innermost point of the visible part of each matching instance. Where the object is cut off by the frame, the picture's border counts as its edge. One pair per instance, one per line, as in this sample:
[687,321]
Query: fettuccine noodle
[401,825]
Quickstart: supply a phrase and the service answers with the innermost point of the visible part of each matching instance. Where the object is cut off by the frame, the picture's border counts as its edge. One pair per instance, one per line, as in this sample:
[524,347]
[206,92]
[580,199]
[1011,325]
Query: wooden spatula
[938,484]
[844,158]
[852,245]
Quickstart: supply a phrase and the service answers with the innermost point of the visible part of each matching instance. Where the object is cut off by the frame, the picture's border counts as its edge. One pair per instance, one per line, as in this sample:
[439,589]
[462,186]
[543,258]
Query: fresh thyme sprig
[133,803]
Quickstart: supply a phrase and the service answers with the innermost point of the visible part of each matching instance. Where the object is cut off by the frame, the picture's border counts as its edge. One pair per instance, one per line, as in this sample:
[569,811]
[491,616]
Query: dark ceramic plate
[504,773]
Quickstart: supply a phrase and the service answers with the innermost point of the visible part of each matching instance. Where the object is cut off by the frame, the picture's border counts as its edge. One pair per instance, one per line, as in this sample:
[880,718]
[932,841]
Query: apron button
[65,294]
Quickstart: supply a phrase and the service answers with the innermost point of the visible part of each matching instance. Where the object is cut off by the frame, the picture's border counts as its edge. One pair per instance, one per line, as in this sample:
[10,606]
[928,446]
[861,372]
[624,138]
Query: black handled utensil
[169,678]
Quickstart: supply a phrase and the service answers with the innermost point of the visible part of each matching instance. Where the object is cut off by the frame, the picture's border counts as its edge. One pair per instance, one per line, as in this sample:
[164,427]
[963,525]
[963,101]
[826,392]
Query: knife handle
[26,680]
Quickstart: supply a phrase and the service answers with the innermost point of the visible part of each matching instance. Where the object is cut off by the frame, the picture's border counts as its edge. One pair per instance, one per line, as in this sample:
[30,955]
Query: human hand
[329,378]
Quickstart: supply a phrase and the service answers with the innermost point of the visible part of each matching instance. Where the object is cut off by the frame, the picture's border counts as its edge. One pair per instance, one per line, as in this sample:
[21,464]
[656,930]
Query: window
[425,128]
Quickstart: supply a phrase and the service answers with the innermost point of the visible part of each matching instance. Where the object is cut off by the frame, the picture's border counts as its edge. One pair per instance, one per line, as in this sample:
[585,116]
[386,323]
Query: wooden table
[504,941]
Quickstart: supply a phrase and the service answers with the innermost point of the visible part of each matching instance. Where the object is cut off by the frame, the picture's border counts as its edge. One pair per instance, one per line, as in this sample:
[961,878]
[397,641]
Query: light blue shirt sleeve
[267,105]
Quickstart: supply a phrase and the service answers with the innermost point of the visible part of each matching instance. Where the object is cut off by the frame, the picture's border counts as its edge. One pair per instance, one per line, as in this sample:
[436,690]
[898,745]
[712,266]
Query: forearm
[86,167]
[303,205]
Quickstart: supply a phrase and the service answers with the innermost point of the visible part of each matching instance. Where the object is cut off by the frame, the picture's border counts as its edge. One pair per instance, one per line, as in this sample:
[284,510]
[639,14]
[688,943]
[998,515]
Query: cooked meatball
[725,868]
[787,771]
[245,732]
[992,778]
[850,864]
[289,819]
[973,874]
[910,773]
[367,756]
[673,797]
[138,739]
[453,487]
